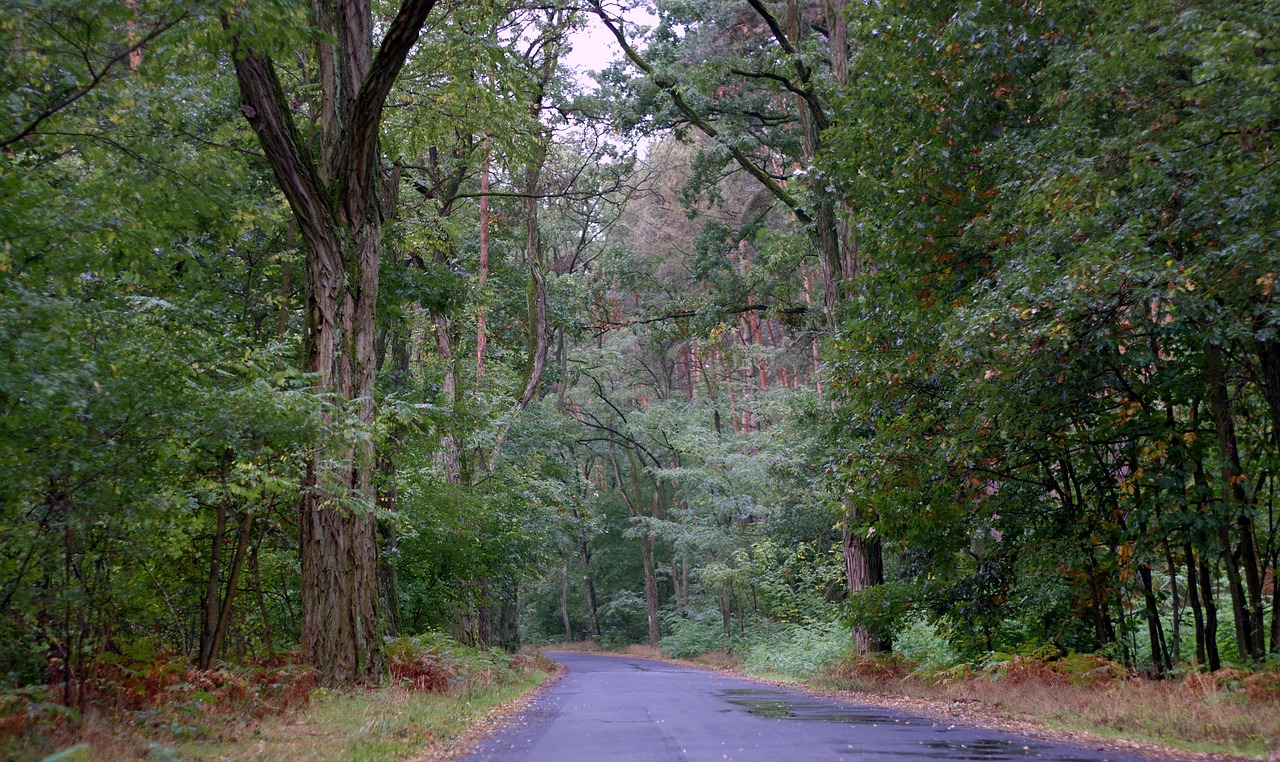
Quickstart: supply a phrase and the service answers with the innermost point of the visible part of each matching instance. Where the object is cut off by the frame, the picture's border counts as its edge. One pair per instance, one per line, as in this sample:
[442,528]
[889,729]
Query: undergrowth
[123,707]
[789,649]
[1225,711]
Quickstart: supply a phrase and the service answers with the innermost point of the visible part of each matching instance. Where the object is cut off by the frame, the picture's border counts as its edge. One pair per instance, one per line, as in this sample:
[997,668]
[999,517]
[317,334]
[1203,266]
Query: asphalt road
[639,710]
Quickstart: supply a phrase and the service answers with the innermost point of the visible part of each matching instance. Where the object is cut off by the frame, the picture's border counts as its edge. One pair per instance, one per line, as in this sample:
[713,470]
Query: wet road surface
[639,710]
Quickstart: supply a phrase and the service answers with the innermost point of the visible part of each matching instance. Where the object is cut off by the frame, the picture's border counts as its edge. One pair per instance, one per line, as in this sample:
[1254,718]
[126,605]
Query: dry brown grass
[1227,712]
[716,660]
[580,646]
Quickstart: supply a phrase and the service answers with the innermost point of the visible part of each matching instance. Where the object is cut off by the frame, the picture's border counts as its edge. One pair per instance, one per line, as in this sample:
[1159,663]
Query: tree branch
[610,325]
[97,79]
[672,89]
[367,115]
[267,111]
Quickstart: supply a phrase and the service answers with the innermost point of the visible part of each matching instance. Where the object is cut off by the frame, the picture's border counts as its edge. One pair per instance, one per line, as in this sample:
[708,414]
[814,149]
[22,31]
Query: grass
[161,708]
[1225,713]
[374,726]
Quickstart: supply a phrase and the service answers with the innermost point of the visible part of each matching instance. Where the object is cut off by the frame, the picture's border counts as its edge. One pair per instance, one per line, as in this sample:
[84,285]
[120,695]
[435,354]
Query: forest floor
[386,725]
[1198,718]
[396,723]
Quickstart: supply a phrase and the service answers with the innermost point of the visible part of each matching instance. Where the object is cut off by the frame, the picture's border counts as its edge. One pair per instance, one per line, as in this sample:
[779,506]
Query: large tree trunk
[336,203]
[863,569]
[538,335]
[537,288]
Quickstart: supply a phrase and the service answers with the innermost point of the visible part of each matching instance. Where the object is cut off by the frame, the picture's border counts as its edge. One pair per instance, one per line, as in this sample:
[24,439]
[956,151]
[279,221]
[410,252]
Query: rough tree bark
[332,189]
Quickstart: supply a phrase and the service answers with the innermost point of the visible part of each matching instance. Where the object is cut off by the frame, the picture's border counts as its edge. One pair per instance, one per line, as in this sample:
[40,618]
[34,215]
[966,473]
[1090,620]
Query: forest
[803,330]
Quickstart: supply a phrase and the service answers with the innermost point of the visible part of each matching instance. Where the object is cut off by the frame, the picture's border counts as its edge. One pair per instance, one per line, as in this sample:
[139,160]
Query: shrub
[697,634]
[437,663]
[797,650]
[921,643]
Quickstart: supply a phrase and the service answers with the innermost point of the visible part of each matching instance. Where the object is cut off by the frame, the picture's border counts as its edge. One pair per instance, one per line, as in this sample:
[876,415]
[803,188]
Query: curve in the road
[640,710]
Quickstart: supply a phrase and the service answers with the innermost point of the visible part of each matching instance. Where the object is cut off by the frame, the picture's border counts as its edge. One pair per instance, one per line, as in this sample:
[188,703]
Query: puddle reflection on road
[763,702]
[771,703]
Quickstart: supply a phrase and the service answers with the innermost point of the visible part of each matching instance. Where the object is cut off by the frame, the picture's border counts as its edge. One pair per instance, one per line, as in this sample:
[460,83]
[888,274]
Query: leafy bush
[696,634]
[919,641]
[437,663]
[797,650]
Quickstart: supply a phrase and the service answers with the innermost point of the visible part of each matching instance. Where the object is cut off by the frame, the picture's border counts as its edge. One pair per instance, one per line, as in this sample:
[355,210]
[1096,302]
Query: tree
[332,181]
[771,121]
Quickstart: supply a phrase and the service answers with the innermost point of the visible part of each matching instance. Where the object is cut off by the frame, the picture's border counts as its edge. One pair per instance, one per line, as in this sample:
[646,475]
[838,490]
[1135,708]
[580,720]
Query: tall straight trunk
[1202,573]
[538,336]
[334,196]
[646,540]
[536,294]
[1275,611]
[1193,597]
[1210,616]
[1243,574]
[255,567]
[650,587]
[1171,564]
[837,247]
[484,613]
[564,601]
[482,312]
[396,349]
[1175,635]
[211,599]
[726,625]
[233,586]
[589,595]
[1103,628]
[589,588]
[1155,629]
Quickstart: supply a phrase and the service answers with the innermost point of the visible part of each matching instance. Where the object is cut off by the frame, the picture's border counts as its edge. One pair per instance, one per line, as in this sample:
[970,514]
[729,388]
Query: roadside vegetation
[1229,711]
[154,707]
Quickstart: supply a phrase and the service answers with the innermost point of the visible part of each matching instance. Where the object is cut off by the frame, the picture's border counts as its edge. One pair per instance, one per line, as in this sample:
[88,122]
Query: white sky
[594,47]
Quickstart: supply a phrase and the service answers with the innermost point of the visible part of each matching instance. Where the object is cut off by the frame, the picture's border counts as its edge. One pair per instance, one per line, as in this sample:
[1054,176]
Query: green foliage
[919,641]
[697,633]
[1022,377]
[797,651]
[436,662]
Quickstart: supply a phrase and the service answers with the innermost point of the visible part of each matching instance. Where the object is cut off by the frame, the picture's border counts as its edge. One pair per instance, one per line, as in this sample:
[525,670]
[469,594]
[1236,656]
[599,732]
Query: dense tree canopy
[804,323]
